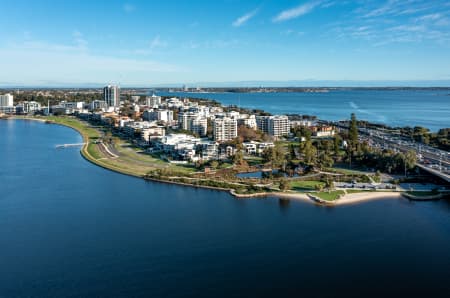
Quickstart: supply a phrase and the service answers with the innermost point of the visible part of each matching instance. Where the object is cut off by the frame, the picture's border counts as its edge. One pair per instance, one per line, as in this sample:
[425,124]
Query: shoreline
[344,200]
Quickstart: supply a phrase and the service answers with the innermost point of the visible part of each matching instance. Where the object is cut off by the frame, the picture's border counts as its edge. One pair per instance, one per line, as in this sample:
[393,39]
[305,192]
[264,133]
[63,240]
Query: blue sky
[144,43]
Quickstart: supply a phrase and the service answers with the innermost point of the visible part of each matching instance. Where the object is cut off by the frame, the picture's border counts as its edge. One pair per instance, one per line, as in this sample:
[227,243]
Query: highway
[433,160]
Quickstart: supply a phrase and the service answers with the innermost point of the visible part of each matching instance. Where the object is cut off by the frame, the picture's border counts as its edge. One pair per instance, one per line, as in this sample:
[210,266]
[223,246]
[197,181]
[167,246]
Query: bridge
[437,173]
[62,146]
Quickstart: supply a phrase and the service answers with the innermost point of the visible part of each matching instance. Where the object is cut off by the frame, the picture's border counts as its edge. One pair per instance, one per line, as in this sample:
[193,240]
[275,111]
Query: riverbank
[133,164]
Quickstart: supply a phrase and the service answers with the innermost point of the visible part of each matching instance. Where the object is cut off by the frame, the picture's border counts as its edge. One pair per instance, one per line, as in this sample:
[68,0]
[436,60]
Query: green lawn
[329,196]
[346,171]
[131,159]
[253,160]
[93,151]
[90,132]
[305,185]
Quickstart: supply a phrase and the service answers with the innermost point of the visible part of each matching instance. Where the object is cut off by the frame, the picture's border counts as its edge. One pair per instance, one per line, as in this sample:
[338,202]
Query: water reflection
[284,204]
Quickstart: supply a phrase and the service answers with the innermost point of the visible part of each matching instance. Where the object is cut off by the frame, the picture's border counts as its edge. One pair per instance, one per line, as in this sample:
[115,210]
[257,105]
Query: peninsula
[250,153]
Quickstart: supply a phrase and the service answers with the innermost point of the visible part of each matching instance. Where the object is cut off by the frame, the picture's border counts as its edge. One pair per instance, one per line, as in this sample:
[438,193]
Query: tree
[325,160]
[285,184]
[214,164]
[238,158]
[310,153]
[292,153]
[274,155]
[353,131]
[329,184]
[336,145]
[410,159]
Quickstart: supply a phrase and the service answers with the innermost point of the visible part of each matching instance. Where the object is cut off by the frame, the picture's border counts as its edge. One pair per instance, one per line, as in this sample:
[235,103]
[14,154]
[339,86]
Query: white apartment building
[97,105]
[28,107]
[6,100]
[247,120]
[225,129]
[276,126]
[158,115]
[153,101]
[307,123]
[193,122]
[152,132]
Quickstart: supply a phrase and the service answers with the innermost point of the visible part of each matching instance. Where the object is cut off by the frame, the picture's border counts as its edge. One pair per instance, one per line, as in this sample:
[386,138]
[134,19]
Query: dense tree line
[324,153]
[56,96]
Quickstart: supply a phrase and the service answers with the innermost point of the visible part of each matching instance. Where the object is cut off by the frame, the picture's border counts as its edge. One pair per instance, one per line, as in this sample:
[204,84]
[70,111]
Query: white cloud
[79,40]
[296,11]
[127,7]
[399,8]
[429,17]
[157,43]
[212,44]
[243,19]
[35,62]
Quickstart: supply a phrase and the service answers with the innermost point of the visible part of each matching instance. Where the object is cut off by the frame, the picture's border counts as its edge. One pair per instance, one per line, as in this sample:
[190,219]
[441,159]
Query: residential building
[264,146]
[307,123]
[250,147]
[132,128]
[27,107]
[225,129]
[152,132]
[111,95]
[174,103]
[153,101]
[247,120]
[262,123]
[193,122]
[6,100]
[276,126]
[322,131]
[179,146]
[207,150]
[158,115]
[97,105]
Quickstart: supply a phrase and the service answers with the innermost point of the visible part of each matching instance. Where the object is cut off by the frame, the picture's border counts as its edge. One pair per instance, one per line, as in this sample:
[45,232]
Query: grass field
[346,171]
[329,196]
[305,185]
[131,159]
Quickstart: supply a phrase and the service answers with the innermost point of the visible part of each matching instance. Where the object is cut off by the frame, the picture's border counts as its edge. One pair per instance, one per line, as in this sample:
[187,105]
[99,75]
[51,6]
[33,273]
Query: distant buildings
[111,95]
[323,131]
[153,101]
[225,129]
[28,107]
[97,105]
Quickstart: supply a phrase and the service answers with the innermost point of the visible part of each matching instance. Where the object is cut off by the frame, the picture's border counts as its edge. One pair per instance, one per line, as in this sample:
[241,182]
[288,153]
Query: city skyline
[290,43]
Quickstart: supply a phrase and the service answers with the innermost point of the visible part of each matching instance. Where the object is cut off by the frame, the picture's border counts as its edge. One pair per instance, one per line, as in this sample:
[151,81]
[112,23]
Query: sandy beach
[367,196]
[353,198]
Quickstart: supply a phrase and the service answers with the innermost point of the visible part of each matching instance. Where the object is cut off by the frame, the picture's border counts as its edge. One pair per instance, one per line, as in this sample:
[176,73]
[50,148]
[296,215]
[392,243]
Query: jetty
[62,146]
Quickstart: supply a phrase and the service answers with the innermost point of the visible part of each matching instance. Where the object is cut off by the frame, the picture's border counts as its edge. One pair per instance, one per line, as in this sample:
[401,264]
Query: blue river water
[427,108]
[71,229]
